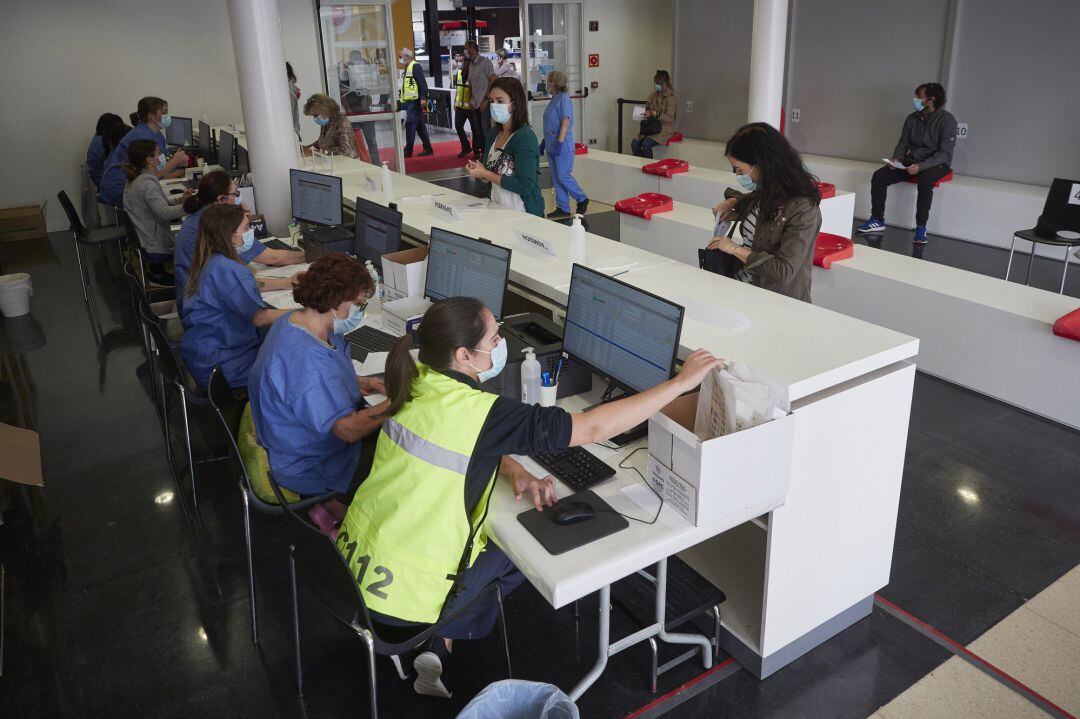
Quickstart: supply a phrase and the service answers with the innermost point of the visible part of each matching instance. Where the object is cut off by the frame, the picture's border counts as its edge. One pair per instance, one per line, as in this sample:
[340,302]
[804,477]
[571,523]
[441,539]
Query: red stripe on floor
[961,649]
[682,688]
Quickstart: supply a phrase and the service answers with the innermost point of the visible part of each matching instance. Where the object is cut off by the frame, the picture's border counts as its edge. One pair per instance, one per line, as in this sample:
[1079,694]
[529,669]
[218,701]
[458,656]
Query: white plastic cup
[15,291]
[548,395]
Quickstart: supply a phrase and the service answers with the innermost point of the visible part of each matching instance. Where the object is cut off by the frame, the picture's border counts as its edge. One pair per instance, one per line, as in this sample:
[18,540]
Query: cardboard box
[402,315]
[20,456]
[23,223]
[404,273]
[705,481]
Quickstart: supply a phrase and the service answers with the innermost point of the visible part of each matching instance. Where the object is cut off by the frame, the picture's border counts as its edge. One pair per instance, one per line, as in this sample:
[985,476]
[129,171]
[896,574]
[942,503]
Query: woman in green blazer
[512,157]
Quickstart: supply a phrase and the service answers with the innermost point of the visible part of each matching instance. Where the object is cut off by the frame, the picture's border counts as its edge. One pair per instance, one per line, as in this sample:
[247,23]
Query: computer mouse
[572,513]
[176,191]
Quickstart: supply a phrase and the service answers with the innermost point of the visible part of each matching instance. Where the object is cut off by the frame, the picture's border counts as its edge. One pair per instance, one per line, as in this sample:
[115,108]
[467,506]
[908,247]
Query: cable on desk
[623,465]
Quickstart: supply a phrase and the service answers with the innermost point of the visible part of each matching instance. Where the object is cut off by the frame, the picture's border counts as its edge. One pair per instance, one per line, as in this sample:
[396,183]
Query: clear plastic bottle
[530,377]
[375,303]
[577,241]
[387,183]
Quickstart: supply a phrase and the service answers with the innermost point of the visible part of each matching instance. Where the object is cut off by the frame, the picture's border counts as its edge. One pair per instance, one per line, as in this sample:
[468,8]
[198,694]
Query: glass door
[553,41]
[359,60]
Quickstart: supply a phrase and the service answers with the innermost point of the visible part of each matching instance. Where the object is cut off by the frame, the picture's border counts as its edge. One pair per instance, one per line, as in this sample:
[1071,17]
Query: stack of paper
[733,398]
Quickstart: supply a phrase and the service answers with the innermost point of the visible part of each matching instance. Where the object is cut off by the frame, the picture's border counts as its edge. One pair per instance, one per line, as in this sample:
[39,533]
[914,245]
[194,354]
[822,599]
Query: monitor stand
[631,435]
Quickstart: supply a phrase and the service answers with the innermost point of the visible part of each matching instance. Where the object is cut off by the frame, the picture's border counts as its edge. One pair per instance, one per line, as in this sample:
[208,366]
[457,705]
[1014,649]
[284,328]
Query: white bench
[966,208]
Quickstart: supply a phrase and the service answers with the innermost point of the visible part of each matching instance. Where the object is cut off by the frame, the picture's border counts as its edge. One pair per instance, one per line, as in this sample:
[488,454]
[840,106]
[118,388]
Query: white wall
[634,41]
[67,62]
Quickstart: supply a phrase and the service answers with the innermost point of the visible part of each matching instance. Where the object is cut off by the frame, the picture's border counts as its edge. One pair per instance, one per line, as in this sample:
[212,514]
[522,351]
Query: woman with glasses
[306,399]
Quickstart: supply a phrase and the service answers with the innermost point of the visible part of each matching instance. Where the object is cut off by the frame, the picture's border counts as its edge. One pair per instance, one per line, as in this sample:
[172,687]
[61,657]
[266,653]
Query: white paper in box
[397,314]
[706,480]
[405,272]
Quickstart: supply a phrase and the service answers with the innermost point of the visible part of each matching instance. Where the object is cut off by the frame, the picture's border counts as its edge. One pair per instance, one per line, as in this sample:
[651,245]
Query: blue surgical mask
[350,323]
[747,182]
[166,120]
[320,120]
[248,241]
[658,86]
[500,113]
[498,362]
[161,160]
[918,104]
[238,200]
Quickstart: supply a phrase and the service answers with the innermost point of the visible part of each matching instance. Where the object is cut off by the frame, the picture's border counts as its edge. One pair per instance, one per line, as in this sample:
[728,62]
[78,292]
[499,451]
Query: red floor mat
[445,157]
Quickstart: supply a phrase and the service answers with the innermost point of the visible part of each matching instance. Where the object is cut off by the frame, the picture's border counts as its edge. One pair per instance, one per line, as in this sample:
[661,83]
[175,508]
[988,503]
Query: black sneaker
[431,670]
[428,152]
[582,206]
[558,214]
[464,153]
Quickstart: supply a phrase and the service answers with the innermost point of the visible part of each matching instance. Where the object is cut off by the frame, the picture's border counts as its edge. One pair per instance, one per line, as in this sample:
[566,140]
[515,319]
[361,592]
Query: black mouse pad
[560,538]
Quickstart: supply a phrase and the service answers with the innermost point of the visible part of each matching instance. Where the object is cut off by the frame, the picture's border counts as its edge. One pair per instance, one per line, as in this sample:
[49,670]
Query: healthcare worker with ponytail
[223,310]
[413,535]
[153,115]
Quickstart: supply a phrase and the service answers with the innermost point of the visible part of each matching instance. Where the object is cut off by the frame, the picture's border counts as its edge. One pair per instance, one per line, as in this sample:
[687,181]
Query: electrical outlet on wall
[689,105]
[592,140]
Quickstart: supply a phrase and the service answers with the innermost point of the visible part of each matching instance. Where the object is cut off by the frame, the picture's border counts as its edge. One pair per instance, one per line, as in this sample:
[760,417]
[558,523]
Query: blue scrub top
[218,327]
[298,388]
[184,251]
[559,107]
[95,159]
[113,178]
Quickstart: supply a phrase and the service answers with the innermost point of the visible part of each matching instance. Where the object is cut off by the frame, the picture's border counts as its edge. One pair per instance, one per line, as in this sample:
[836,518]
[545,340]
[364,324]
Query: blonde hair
[321,104]
[557,79]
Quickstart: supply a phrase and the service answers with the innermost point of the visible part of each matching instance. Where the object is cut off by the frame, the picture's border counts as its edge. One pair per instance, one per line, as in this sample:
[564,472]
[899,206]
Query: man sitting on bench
[924,152]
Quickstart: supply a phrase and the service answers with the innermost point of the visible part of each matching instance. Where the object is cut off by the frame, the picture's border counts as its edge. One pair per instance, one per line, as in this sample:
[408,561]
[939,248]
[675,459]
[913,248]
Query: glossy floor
[115,606]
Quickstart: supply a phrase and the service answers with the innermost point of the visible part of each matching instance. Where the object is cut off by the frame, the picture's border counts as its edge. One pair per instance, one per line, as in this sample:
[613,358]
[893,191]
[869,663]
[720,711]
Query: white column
[767,56]
[260,67]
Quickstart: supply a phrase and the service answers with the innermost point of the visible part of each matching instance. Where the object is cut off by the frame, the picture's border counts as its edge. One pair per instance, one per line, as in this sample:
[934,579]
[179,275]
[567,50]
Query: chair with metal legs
[314,558]
[221,398]
[1057,226]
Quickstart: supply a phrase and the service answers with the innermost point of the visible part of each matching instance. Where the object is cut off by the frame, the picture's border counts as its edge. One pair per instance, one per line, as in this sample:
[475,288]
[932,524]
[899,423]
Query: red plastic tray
[666,168]
[1069,326]
[581,148]
[827,190]
[645,205]
[947,177]
[675,137]
[829,248]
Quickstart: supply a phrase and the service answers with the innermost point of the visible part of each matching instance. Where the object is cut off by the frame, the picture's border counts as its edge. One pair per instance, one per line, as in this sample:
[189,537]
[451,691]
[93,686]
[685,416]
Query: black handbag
[651,126]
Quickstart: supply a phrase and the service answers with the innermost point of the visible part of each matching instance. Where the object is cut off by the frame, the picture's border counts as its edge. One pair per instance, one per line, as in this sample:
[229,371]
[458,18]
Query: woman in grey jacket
[150,210]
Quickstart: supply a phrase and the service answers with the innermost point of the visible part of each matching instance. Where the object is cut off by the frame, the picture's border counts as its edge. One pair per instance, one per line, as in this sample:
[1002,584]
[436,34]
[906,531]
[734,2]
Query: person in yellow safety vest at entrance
[462,107]
[413,535]
[412,98]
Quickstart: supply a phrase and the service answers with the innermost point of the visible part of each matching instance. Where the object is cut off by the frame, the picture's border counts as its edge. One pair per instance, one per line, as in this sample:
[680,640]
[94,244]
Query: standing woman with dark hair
[779,212]
[304,392]
[153,116]
[222,310]
[96,153]
[413,535]
[218,187]
[150,210]
[512,156]
[660,109]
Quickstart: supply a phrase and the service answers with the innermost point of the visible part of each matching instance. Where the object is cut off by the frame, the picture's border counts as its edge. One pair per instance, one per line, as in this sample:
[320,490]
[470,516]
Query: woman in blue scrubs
[305,395]
[96,153]
[222,310]
[153,116]
[218,187]
[559,142]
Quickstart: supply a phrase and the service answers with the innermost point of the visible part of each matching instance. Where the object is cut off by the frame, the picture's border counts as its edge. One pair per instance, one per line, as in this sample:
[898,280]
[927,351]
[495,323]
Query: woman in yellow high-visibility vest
[413,536]
[462,108]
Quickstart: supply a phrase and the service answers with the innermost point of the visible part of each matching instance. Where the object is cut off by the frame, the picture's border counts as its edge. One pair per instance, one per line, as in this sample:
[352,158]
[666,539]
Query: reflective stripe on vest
[406,530]
[464,91]
[409,89]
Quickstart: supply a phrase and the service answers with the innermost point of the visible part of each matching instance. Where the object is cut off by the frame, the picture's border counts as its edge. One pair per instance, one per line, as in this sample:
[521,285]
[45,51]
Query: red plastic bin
[829,248]
[581,148]
[675,137]
[1069,326]
[827,190]
[666,168]
[947,177]
[645,205]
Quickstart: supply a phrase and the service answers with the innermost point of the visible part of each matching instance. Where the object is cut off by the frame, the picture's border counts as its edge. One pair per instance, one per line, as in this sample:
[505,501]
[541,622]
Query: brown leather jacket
[782,254]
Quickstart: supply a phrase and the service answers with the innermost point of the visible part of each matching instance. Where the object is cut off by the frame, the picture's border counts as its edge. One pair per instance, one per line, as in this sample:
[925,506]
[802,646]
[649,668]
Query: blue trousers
[566,186]
[643,148]
[414,125]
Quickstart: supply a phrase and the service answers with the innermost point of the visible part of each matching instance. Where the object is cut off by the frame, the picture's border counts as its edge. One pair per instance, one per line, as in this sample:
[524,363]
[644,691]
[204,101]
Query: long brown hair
[217,225]
[448,324]
[139,151]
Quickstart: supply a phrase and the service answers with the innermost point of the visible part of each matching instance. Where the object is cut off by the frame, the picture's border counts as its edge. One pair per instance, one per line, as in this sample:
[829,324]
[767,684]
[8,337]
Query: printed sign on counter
[530,242]
[444,209]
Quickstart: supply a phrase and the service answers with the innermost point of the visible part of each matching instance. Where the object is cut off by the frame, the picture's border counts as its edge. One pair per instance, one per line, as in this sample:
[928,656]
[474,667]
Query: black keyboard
[631,435]
[276,244]
[370,339]
[577,468]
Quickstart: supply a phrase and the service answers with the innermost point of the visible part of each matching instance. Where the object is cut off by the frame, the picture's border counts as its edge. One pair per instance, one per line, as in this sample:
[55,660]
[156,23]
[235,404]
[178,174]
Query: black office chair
[94,238]
[315,558]
[221,397]
[1061,213]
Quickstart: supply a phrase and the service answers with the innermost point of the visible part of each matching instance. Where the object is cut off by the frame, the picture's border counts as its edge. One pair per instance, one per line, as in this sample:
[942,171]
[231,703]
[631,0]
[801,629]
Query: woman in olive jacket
[779,212]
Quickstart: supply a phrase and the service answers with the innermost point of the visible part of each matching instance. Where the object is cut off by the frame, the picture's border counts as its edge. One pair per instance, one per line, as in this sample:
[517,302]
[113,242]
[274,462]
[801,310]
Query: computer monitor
[226,147]
[204,140]
[243,163]
[377,231]
[179,132]
[460,266]
[627,336]
[316,198]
